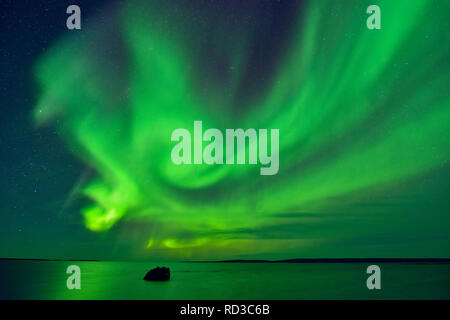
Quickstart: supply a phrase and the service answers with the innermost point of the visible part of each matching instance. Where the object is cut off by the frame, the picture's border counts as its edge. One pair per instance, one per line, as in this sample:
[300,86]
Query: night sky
[87,117]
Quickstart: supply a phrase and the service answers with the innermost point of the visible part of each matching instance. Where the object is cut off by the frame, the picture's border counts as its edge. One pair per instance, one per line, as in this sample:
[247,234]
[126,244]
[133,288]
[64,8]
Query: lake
[26,279]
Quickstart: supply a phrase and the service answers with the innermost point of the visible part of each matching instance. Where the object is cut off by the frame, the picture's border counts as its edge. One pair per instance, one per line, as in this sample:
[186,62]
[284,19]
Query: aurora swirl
[357,110]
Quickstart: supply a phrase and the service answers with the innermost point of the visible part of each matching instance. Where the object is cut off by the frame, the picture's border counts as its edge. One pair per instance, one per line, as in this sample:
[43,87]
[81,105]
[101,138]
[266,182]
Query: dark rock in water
[158,274]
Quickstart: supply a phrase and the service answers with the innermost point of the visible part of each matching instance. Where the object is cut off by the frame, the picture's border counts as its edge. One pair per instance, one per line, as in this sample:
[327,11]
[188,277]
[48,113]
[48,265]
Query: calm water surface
[123,280]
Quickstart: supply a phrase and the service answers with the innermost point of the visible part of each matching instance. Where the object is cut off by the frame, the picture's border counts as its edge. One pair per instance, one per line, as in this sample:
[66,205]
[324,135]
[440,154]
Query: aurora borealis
[363,118]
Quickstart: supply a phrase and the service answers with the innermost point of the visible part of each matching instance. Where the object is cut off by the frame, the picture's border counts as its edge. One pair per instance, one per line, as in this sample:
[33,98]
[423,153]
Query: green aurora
[361,113]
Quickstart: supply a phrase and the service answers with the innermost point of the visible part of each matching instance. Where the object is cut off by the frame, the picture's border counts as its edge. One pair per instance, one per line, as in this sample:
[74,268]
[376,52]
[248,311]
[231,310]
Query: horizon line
[294,260]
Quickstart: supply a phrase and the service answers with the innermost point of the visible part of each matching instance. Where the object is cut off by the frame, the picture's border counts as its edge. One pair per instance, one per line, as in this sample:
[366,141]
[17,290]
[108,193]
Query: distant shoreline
[25,259]
[302,260]
[338,260]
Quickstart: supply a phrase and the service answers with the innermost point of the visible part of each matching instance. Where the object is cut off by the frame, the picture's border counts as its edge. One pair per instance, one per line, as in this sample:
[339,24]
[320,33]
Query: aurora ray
[356,109]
